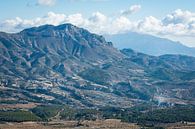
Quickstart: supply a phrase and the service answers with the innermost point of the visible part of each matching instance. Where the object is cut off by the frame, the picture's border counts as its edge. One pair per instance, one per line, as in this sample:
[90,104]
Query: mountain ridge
[52,64]
[149,44]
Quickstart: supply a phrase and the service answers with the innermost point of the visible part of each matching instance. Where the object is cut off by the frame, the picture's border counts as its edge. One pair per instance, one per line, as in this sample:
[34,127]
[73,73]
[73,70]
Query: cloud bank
[178,23]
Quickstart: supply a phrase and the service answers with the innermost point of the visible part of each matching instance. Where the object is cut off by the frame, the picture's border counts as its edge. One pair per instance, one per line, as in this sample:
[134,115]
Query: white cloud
[98,17]
[76,19]
[179,24]
[150,25]
[46,2]
[179,16]
[120,24]
[17,24]
[131,10]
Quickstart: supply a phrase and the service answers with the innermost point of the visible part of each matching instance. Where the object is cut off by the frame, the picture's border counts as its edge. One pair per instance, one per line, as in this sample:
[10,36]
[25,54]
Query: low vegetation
[144,114]
[97,75]
[169,115]
[17,116]
[46,111]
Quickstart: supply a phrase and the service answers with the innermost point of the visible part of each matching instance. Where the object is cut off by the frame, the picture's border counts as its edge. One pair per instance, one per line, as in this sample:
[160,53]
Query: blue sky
[28,8]
[174,19]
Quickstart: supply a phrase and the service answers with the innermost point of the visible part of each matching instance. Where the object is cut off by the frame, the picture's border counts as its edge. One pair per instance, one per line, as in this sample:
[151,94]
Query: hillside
[69,65]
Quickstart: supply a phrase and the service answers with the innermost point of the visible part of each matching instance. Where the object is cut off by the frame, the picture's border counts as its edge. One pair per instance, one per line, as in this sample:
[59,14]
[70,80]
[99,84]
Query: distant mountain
[69,65]
[149,44]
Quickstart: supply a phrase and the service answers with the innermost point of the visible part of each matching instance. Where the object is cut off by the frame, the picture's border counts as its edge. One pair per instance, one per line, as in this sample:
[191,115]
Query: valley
[66,77]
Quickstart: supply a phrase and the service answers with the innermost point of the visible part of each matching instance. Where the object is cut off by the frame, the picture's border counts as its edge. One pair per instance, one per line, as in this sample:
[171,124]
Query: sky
[173,19]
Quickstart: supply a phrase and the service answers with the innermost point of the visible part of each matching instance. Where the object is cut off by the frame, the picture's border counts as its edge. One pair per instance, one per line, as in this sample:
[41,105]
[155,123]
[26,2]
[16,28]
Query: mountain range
[69,65]
[149,44]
